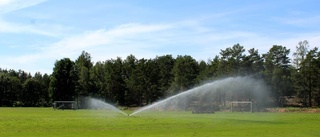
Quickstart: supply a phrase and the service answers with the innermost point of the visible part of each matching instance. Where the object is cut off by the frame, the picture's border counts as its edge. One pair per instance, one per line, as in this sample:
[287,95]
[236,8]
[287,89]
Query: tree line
[138,82]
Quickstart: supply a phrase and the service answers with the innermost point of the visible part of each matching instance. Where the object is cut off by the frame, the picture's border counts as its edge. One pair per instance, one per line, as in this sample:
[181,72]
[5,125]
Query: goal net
[64,105]
[241,106]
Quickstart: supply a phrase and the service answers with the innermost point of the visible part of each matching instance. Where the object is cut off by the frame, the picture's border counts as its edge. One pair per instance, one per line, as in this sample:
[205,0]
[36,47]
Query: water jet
[99,104]
[216,92]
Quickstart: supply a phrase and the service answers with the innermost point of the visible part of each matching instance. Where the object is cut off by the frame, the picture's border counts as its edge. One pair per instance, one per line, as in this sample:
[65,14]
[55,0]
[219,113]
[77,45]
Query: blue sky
[36,33]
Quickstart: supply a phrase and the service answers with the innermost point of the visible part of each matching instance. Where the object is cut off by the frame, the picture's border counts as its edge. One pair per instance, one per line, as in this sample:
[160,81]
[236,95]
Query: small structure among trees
[241,106]
[65,105]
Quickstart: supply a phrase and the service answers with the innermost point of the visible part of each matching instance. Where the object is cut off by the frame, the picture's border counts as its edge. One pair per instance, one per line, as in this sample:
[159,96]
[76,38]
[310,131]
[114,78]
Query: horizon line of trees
[138,82]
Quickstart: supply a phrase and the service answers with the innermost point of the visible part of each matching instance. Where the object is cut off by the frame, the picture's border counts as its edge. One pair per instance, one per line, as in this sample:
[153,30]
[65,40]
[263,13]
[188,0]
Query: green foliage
[83,66]
[277,72]
[306,76]
[185,72]
[152,88]
[165,76]
[310,71]
[31,92]
[138,82]
[115,81]
[98,79]
[231,60]
[252,64]
[10,87]
[63,80]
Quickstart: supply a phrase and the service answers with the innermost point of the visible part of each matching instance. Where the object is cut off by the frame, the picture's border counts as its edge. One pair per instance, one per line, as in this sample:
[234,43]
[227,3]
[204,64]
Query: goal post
[241,102]
[65,105]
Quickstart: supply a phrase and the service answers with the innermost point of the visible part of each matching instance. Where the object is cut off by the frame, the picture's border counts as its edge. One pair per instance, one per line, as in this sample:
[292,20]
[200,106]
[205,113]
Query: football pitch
[45,122]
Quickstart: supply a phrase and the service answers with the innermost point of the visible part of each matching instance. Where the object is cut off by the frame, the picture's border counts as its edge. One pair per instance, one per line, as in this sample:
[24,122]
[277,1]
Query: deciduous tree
[63,80]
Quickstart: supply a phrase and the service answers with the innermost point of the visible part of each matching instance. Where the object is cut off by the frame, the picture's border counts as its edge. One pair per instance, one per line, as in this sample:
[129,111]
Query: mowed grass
[31,122]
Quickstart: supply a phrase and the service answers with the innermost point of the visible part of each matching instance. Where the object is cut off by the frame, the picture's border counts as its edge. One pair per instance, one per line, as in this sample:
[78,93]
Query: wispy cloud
[6,26]
[12,5]
[119,41]
[150,40]
[9,27]
[123,36]
[199,29]
[4,2]
[301,21]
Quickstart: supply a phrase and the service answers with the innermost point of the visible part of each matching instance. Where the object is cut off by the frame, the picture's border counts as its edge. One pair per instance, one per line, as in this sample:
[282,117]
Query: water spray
[247,87]
[95,103]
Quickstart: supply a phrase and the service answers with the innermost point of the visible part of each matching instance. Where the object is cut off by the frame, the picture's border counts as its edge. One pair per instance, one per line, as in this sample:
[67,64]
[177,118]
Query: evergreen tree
[165,65]
[230,61]
[203,71]
[252,64]
[310,76]
[115,82]
[83,65]
[129,65]
[152,91]
[278,72]
[185,71]
[98,79]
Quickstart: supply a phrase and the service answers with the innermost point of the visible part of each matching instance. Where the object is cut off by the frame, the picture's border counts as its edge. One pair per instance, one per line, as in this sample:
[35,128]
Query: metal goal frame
[61,105]
[241,102]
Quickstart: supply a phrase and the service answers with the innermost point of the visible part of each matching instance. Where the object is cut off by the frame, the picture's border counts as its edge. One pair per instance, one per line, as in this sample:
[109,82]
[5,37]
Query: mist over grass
[94,103]
[217,92]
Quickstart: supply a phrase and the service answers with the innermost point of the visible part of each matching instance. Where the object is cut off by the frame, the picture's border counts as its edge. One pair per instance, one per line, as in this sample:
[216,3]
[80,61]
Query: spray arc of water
[95,103]
[241,86]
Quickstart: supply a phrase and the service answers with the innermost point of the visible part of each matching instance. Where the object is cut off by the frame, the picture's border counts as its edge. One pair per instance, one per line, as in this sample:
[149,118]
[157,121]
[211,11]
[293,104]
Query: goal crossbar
[60,104]
[241,102]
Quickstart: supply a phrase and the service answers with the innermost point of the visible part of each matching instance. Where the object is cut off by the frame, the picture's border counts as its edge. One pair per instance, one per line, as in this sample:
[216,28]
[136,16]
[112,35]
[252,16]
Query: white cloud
[12,5]
[300,19]
[6,27]
[150,40]
[7,6]
[103,44]
[4,2]
[122,36]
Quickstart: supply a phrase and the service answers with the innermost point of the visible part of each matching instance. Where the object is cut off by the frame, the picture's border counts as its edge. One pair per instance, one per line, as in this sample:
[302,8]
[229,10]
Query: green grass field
[31,122]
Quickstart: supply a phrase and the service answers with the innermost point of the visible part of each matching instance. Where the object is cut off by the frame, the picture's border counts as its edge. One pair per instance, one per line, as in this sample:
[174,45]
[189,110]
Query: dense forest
[138,82]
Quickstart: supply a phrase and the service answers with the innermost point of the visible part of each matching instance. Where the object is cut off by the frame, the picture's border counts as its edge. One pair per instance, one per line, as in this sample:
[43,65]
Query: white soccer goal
[64,105]
[238,105]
